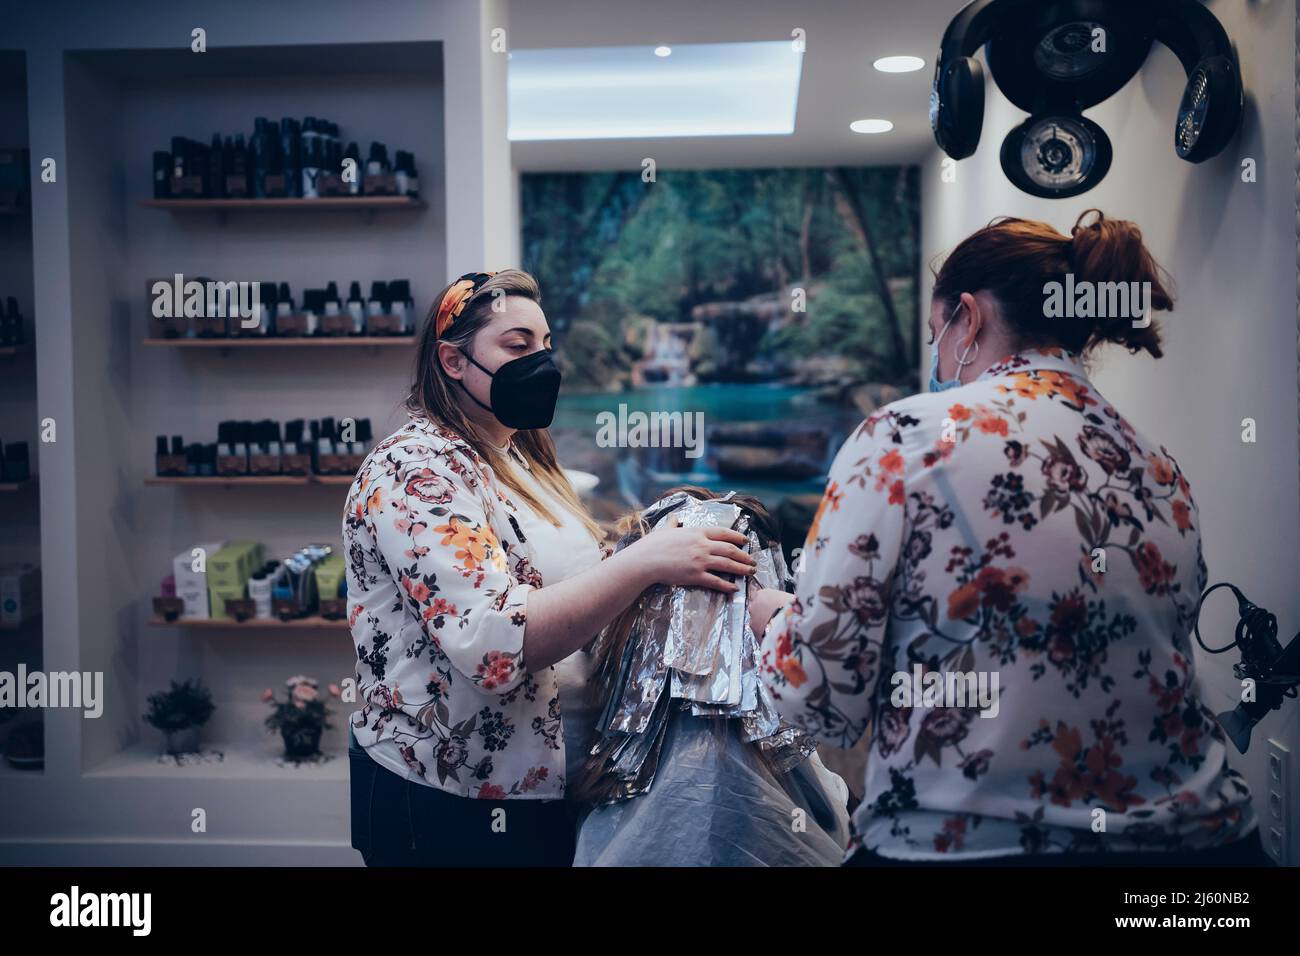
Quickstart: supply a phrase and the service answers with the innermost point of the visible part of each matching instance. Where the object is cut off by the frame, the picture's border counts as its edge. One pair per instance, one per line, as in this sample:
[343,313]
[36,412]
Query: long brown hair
[1015,258]
[432,397]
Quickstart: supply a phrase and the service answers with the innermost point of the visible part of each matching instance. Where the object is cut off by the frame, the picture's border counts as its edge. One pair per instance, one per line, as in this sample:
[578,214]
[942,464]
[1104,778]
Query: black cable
[1252,618]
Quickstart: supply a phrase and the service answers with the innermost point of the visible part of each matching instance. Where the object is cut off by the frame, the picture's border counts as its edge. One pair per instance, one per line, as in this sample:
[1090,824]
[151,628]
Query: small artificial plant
[300,717]
[180,708]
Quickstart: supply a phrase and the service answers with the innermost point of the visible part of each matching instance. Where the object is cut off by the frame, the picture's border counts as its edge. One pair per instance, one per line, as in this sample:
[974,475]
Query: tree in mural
[727,250]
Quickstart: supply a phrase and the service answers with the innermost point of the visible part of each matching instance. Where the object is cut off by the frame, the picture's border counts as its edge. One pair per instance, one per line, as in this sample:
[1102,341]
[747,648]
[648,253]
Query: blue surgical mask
[935,384]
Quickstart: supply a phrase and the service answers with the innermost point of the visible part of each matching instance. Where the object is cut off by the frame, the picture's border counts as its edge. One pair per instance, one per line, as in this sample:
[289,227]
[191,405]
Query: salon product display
[235,581]
[263,448]
[11,324]
[15,465]
[198,307]
[285,160]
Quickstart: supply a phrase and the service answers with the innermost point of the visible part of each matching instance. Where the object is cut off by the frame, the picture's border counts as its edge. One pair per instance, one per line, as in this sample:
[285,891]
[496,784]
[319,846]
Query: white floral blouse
[1017,532]
[439,574]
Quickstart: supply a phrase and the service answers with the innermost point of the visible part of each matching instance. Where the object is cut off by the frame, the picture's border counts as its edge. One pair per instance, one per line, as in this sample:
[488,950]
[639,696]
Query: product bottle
[408,181]
[324,444]
[359,170]
[239,167]
[216,179]
[312,157]
[259,589]
[291,148]
[377,304]
[162,174]
[357,309]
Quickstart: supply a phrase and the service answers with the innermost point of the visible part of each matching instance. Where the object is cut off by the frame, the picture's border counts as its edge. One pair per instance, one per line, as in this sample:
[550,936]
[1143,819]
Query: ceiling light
[663,51]
[871,126]
[899,64]
[702,89]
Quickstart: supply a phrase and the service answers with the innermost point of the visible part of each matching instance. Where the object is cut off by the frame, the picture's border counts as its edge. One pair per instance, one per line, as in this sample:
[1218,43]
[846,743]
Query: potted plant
[179,713]
[300,717]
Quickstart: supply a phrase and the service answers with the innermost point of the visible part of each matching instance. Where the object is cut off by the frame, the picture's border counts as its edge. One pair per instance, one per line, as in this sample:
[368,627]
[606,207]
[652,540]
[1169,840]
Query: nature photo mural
[772,308]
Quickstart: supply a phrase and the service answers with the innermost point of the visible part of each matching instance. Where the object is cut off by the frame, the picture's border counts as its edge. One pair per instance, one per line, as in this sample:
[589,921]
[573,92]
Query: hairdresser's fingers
[728,566]
[724,550]
[714,583]
[726,534]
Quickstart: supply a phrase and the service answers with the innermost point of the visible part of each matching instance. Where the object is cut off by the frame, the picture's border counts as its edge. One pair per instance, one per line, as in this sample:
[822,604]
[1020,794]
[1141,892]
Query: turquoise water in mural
[724,402]
[720,403]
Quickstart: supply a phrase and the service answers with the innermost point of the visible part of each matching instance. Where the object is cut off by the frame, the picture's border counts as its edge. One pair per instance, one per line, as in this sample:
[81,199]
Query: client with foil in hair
[688,762]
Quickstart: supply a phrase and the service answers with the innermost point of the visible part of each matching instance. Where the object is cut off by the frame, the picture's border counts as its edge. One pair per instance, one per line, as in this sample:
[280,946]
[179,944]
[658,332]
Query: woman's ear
[975,316]
[452,360]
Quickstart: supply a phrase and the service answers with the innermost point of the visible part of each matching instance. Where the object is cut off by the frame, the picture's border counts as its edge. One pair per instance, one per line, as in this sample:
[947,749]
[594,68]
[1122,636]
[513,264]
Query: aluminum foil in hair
[689,648]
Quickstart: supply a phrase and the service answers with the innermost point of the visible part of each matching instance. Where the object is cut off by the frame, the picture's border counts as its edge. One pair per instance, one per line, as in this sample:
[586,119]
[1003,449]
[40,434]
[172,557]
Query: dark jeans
[1246,852]
[398,822]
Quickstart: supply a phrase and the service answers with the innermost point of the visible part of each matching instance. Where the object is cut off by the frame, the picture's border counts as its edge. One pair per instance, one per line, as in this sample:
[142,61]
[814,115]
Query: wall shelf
[7,351]
[285,342]
[19,485]
[281,205]
[245,481]
[313,623]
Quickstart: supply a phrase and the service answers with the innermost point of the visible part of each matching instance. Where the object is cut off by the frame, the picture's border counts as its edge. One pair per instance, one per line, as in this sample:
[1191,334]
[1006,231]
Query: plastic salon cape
[702,794]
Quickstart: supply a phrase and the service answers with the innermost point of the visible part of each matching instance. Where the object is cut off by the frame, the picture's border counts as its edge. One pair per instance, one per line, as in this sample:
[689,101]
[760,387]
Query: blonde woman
[475,576]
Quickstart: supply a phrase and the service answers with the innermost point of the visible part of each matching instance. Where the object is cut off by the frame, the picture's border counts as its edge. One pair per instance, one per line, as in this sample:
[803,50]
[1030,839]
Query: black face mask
[524,390]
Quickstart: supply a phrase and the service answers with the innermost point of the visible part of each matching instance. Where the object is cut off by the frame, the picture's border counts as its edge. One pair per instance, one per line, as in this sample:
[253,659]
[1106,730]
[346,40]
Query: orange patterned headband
[453,302]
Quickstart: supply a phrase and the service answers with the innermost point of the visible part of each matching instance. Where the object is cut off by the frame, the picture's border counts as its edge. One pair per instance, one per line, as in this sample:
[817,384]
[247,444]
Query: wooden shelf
[254,624]
[11,350]
[19,485]
[219,481]
[233,205]
[285,342]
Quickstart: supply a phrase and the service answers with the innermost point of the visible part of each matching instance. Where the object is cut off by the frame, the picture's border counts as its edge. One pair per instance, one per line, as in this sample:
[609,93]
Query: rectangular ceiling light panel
[699,89]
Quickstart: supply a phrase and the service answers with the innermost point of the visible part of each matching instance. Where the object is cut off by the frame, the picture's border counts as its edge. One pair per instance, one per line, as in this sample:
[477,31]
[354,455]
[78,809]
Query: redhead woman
[475,578]
[1000,584]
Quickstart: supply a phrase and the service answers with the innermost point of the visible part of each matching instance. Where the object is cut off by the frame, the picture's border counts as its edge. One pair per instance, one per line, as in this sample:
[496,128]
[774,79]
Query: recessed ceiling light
[663,51]
[899,64]
[871,126]
[702,89]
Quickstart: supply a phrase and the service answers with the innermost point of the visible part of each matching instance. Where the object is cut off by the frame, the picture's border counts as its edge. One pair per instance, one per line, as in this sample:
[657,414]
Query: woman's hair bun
[1106,252]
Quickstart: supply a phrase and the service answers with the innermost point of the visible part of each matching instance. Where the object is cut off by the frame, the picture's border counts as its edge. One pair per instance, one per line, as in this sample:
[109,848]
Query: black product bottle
[358,169]
[283,301]
[17,467]
[239,167]
[179,148]
[312,157]
[291,146]
[216,179]
[160,457]
[162,175]
[357,309]
[408,180]
[324,442]
[378,302]
[193,458]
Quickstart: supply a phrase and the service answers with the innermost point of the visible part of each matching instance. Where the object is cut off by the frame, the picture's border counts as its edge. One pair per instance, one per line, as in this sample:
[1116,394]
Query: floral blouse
[438,576]
[1014,534]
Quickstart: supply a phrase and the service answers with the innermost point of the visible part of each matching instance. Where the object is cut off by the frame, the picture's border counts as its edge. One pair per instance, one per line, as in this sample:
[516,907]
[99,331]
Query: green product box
[218,596]
[329,575]
[233,565]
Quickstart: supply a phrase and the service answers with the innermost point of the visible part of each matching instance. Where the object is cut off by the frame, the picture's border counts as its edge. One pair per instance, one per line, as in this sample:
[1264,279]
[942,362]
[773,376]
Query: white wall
[1230,349]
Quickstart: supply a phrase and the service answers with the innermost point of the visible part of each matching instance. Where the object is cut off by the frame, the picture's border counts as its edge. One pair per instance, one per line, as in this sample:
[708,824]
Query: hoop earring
[962,360]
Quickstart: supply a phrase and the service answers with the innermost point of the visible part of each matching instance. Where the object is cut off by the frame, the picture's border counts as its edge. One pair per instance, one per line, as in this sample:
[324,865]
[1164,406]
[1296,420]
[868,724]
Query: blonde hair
[432,397]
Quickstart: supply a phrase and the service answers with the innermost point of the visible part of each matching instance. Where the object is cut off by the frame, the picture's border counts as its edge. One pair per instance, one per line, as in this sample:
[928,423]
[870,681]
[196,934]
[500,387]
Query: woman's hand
[691,557]
[763,603]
